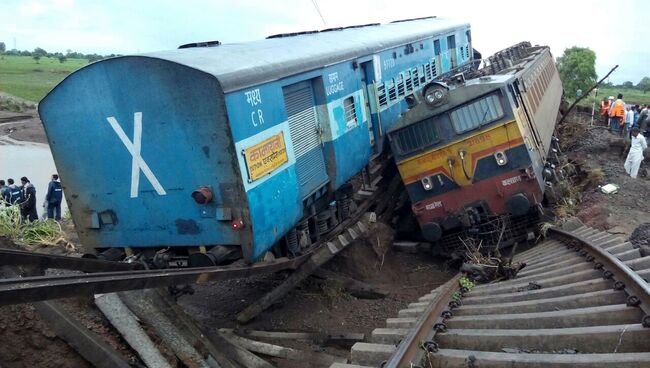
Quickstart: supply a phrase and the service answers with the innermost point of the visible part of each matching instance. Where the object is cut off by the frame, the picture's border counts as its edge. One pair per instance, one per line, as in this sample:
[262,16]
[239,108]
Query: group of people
[24,196]
[621,119]
[631,122]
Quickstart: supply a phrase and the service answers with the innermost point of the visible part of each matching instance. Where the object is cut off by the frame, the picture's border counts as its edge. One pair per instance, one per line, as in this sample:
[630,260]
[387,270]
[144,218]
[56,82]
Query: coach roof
[240,65]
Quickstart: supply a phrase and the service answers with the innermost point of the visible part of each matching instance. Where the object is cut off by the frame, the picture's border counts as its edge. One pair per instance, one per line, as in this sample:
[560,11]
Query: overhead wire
[319,13]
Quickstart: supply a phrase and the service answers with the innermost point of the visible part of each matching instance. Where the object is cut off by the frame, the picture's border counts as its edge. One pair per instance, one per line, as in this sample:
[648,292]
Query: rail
[577,307]
[36,288]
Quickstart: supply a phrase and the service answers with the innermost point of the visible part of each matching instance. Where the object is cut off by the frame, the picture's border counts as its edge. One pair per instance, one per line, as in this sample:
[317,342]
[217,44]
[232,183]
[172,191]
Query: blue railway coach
[235,144]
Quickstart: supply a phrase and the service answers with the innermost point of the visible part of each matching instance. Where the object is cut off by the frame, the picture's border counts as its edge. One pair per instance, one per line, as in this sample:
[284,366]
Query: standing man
[604,110]
[53,198]
[642,121]
[634,158]
[4,193]
[629,120]
[617,115]
[15,194]
[28,204]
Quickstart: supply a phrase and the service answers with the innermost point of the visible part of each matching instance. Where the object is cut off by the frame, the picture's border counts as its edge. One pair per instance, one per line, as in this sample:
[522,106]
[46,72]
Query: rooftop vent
[200,44]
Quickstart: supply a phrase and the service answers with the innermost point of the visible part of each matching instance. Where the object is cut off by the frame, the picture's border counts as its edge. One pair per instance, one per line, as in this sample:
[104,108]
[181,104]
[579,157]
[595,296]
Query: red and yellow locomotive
[473,155]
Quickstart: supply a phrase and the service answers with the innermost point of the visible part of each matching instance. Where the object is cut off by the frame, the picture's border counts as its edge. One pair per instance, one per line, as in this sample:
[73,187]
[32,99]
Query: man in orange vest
[617,115]
[604,110]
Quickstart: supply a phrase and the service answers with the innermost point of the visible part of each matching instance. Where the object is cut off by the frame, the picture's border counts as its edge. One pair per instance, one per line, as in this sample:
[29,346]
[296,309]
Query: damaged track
[582,301]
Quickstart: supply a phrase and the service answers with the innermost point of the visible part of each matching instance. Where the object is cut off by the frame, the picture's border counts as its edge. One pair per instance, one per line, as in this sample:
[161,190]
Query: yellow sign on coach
[266,156]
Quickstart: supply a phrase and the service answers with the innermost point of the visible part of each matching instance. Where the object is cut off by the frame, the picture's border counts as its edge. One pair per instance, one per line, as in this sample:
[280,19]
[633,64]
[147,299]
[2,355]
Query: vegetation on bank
[29,79]
[29,233]
[630,95]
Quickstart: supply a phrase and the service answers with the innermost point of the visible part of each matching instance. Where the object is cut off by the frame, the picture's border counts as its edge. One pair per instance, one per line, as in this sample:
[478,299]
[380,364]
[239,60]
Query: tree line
[39,53]
[577,68]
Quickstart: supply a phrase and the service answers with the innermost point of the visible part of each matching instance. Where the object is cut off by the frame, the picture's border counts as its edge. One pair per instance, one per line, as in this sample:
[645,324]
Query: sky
[131,27]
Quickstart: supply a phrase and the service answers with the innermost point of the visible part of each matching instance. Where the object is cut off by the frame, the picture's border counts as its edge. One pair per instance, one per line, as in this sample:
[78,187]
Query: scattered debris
[533,351]
[640,238]
[486,268]
[272,350]
[609,188]
[322,338]
[530,286]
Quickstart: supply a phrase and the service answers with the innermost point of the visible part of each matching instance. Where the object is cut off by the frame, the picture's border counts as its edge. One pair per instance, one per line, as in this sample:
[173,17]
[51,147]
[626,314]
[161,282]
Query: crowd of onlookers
[631,122]
[621,117]
[24,196]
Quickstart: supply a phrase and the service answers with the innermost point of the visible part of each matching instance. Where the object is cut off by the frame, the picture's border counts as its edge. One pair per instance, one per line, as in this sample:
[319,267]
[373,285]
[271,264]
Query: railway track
[582,301]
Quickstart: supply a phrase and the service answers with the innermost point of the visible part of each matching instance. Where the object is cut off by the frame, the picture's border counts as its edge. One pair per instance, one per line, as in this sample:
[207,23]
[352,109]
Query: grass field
[22,77]
[630,96]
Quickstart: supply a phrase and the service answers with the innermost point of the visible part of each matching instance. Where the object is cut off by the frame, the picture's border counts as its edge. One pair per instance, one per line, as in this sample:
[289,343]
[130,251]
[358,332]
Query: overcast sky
[129,27]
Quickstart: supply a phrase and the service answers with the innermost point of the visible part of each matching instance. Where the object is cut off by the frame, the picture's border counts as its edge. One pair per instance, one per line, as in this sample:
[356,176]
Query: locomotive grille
[416,136]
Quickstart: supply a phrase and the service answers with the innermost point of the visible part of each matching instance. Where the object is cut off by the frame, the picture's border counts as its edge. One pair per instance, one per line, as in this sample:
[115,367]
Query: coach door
[367,75]
[305,133]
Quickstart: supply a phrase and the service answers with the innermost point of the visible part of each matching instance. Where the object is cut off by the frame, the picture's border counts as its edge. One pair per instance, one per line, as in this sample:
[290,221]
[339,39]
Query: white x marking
[137,163]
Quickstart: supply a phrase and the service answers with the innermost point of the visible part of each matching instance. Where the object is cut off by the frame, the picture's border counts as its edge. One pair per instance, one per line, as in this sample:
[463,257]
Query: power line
[319,13]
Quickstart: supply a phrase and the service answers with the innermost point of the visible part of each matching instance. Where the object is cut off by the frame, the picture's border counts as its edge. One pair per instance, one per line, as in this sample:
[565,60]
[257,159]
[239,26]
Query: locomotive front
[474,157]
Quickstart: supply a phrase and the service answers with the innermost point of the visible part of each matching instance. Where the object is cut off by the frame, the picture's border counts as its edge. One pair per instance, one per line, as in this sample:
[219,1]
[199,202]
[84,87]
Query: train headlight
[435,94]
[426,183]
[501,158]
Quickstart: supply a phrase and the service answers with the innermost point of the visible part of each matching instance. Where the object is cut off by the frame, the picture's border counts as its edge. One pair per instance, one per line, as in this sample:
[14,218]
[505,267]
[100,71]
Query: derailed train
[477,156]
[235,146]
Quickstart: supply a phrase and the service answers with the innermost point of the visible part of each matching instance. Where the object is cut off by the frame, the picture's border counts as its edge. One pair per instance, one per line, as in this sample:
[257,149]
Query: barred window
[477,113]
[350,110]
[381,95]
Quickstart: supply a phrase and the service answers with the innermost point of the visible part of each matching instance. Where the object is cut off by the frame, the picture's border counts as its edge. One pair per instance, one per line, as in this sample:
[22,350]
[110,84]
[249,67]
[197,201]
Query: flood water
[33,160]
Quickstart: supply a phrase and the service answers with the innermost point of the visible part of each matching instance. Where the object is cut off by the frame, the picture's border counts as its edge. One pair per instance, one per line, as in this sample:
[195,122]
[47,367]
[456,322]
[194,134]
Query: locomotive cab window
[480,112]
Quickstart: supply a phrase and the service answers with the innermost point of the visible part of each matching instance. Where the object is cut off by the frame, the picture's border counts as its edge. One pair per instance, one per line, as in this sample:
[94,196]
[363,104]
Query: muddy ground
[314,306]
[594,148]
[321,307]
[22,126]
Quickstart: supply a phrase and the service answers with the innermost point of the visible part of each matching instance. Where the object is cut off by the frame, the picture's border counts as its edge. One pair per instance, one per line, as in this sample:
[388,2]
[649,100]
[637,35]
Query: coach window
[480,112]
[350,110]
[436,47]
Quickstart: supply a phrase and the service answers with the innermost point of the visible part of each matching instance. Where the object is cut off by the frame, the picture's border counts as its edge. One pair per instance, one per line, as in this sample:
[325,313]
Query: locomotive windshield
[477,113]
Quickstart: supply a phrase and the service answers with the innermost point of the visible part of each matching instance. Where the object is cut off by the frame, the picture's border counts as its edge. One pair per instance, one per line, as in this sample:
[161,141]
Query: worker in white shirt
[634,158]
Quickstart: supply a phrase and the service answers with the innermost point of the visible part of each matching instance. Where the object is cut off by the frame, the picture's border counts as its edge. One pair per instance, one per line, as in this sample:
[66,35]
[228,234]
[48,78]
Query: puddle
[33,160]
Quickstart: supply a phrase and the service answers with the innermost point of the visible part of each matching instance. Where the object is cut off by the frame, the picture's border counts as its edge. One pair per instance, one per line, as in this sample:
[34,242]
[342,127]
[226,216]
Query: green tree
[627,84]
[3,47]
[39,51]
[36,57]
[577,68]
[644,84]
